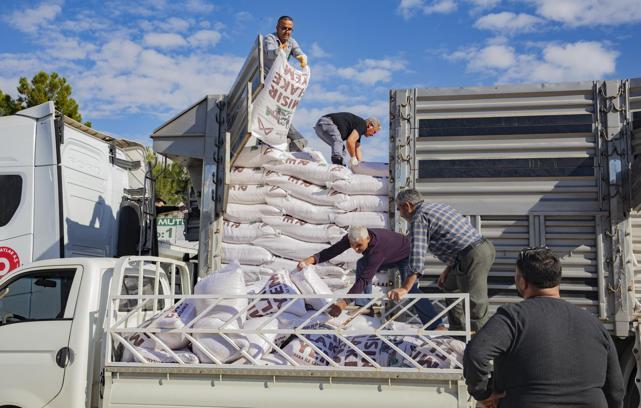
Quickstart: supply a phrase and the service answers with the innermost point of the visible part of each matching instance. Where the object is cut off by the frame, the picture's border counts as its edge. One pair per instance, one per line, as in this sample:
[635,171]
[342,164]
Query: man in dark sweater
[344,128]
[546,351]
[381,249]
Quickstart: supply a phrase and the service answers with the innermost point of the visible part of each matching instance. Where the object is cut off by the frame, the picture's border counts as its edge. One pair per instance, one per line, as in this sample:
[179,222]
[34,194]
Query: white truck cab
[66,190]
[51,329]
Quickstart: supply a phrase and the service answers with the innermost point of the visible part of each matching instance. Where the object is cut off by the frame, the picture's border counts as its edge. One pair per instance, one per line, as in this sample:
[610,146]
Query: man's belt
[470,247]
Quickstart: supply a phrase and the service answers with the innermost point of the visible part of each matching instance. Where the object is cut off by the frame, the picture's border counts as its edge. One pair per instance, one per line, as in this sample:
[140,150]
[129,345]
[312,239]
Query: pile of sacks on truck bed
[238,330]
[284,207]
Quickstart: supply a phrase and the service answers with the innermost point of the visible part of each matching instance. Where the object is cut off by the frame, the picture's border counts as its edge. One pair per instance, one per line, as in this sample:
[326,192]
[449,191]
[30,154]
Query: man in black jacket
[546,351]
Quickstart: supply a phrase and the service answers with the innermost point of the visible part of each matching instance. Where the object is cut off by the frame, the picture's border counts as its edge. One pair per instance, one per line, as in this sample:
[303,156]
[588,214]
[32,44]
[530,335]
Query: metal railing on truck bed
[436,367]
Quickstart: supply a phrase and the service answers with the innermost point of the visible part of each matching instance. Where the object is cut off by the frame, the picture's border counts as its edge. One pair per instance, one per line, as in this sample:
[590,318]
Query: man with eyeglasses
[381,249]
[441,230]
[282,40]
[546,351]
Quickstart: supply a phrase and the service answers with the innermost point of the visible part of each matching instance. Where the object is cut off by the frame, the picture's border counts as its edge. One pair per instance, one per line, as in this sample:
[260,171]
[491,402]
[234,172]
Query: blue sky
[134,64]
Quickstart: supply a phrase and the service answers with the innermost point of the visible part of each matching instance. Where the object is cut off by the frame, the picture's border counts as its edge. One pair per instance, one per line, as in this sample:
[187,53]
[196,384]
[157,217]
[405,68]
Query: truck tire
[129,225]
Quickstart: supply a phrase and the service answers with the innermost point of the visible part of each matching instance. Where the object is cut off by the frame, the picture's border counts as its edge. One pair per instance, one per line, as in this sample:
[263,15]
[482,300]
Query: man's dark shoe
[337,160]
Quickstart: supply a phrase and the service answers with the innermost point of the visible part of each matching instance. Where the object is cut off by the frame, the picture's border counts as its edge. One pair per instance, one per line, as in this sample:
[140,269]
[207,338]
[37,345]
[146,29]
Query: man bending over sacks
[381,249]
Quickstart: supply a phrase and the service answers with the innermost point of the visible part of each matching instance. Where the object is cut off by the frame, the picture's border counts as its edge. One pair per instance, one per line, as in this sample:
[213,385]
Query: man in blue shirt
[282,39]
[445,233]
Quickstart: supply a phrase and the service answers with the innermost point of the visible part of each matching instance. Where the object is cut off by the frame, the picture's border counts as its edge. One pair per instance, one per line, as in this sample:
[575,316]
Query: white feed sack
[327,270]
[247,193]
[258,344]
[304,354]
[278,284]
[310,283]
[305,190]
[356,323]
[254,288]
[368,203]
[371,169]
[161,356]
[291,321]
[360,184]
[246,254]
[301,209]
[246,213]
[289,248]
[365,219]
[245,175]
[280,264]
[175,318]
[316,173]
[254,273]
[237,233]
[427,355]
[224,347]
[348,257]
[309,155]
[304,231]
[339,285]
[227,281]
[273,359]
[370,345]
[257,156]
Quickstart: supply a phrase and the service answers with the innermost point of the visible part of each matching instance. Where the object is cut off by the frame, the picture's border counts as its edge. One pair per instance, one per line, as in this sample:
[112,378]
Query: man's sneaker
[337,160]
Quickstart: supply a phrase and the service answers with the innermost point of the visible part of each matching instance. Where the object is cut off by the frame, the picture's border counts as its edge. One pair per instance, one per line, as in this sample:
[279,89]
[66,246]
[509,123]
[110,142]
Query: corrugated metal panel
[524,162]
[634,98]
[635,94]
[481,111]
[635,221]
[505,100]
[572,238]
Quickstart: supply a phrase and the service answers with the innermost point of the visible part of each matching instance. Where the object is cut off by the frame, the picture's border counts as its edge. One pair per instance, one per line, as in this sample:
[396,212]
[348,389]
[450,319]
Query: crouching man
[381,249]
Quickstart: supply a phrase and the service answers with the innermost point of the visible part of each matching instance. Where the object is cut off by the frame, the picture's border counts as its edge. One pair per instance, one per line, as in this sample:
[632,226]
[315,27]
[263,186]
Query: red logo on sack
[262,127]
[9,260]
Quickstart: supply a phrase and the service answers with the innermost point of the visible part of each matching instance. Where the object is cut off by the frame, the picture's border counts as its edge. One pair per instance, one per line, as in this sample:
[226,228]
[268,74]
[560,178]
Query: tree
[172,180]
[43,88]
[7,105]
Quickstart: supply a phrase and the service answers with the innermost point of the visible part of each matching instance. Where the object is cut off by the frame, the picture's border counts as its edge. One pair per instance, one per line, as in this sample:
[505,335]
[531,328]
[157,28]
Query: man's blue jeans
[423,307]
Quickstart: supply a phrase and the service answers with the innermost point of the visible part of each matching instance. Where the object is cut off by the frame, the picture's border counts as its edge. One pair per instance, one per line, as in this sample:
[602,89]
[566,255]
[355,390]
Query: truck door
[36,315]
[16,191]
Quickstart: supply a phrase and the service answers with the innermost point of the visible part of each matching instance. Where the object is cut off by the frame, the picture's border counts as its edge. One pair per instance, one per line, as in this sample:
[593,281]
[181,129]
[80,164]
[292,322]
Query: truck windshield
[10,195]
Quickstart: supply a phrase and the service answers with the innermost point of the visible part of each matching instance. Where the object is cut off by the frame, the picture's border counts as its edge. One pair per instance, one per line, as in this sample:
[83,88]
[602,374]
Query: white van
[67,190]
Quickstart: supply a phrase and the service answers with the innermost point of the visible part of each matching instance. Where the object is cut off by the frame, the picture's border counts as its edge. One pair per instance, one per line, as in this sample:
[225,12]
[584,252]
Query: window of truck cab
[10,196]
[36,295]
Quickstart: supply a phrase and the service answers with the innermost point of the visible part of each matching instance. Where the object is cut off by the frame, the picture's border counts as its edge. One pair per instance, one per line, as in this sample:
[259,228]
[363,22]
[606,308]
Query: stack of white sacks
[284,207]
[255,340]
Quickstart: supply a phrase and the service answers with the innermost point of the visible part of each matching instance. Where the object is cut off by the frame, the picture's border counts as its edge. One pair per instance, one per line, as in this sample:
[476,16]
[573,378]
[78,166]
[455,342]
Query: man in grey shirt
[546,351]
[282,39]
